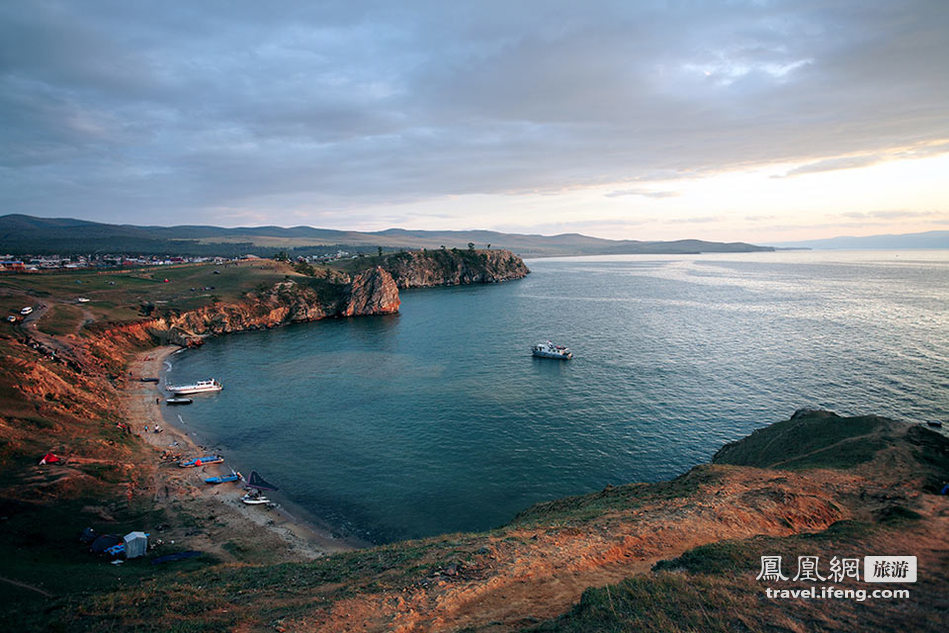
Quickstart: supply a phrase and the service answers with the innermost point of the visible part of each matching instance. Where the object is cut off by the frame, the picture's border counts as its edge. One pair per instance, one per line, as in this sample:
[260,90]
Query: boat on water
[224,479]
[177,400]
[256,484]
[202,386]
[549,350]
[201,461]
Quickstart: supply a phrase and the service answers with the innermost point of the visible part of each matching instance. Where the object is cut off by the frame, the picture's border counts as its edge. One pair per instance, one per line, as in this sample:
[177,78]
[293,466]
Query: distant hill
[929,239]
[21,234]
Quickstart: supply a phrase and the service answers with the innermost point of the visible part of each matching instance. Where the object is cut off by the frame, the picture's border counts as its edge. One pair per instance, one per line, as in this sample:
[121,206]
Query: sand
[211,517]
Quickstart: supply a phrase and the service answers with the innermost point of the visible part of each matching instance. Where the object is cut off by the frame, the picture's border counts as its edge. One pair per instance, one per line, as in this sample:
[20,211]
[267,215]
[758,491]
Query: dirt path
[26,586]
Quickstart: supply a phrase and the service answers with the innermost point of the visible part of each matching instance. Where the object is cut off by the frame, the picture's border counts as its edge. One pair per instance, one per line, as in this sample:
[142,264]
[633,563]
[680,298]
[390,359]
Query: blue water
[438,419]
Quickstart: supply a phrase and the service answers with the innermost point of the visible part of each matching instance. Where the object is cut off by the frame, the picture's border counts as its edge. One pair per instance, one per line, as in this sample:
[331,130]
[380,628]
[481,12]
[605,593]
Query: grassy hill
[21,234]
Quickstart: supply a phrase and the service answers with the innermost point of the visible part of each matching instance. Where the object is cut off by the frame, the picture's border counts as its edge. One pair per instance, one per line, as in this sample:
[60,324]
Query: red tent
[49,458]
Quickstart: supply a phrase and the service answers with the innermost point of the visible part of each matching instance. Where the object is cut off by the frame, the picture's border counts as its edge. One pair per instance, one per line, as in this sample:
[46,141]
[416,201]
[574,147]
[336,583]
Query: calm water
[438,419]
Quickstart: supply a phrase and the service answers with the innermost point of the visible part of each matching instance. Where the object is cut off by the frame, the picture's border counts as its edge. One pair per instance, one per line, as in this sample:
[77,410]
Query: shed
[136,543]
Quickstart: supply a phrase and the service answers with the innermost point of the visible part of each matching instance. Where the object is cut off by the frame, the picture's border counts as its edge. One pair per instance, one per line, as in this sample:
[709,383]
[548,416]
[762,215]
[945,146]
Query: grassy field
[120,295]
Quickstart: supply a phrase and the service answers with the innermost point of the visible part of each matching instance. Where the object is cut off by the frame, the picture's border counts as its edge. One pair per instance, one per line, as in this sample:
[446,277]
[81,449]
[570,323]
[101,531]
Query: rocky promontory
[294,300]
[452,267]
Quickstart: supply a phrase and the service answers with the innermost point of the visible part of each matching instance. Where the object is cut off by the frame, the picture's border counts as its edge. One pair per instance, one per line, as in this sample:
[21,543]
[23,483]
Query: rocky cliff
[422,269]
[295,300]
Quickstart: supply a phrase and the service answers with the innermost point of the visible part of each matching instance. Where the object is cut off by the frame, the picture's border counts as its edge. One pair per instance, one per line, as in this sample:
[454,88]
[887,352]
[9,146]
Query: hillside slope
[683,554]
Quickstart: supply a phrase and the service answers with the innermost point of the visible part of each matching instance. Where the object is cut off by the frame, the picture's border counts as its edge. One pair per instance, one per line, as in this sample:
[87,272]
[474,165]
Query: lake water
[438,419]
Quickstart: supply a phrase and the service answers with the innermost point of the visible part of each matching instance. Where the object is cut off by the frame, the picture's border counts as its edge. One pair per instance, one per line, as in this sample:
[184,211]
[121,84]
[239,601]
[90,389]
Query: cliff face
[422,269]
[373,292]
[292,301]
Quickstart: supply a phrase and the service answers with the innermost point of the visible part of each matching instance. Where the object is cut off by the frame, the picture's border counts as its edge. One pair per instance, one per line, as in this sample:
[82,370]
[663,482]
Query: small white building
[136,544]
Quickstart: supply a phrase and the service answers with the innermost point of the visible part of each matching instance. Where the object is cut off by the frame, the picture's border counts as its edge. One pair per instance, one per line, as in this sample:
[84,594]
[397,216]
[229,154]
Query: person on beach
[146,428]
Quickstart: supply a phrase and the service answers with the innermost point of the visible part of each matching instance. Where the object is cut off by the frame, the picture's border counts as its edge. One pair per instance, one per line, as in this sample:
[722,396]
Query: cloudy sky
[752,120]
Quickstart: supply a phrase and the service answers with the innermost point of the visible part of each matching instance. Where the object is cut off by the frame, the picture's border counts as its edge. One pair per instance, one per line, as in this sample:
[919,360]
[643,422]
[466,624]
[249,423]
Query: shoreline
[297,538]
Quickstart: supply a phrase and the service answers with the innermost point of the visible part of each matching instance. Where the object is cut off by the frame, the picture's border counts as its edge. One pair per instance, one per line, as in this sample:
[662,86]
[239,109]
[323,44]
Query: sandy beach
[227,527]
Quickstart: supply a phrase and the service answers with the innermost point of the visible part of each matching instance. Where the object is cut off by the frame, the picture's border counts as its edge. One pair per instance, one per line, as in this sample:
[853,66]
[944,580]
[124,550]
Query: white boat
[549,350]
[255,485]
[202,386]
[27,310]
[253,500]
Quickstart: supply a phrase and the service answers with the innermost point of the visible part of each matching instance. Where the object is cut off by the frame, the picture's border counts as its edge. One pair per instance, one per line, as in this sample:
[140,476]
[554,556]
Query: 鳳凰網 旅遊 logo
[889,569]
[837,569]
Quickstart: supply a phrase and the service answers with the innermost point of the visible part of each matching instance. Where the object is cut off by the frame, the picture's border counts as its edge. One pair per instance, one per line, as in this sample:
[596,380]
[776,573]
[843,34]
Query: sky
[760,121]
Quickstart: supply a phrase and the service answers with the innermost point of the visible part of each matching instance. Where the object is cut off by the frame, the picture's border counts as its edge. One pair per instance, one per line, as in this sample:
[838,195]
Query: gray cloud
[893,214]
[201,111]
[641,192]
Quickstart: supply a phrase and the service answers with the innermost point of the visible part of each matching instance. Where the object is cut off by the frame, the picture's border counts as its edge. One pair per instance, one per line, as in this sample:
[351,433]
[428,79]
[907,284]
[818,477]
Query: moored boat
[177,400]
[549,350]
[201,461]
[224,479]
[202,386]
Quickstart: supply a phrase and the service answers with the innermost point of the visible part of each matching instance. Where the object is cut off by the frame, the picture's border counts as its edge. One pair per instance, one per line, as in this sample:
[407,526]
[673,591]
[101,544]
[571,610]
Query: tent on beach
[104,542]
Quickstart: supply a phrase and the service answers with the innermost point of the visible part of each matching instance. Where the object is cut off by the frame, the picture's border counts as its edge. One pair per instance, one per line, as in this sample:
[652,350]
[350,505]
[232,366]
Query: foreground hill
[673,556]
[21,234]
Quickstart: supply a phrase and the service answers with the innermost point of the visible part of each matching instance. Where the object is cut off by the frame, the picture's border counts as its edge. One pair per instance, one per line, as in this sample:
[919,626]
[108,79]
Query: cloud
[895,214]
[694,220]
[199,110]
[641,192]
[832,164]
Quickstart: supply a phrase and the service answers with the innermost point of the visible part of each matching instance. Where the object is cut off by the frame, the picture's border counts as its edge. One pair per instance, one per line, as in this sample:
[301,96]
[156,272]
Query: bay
[438,419]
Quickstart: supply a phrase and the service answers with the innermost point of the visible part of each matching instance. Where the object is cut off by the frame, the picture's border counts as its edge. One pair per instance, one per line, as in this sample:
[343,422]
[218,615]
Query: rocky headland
[453,267]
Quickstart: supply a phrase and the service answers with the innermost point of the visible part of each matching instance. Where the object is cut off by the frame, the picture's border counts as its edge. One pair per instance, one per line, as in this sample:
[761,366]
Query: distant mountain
[929,239]
[22,234]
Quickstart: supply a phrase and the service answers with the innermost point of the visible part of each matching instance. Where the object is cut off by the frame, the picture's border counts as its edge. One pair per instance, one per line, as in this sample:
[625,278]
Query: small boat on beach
[254,498]
[177,400]
[255,485]
[202,386]
[224,479]
[549,350]
[201,461]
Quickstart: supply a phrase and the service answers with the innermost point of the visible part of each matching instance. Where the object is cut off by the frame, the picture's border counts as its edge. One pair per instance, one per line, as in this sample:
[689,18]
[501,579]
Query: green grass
[816,440]
[62,319]
[584,508]
[118,295]
[714,588]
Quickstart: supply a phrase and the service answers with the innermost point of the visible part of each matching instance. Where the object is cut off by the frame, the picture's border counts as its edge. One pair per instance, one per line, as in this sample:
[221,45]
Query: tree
[380,251]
